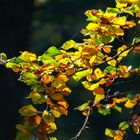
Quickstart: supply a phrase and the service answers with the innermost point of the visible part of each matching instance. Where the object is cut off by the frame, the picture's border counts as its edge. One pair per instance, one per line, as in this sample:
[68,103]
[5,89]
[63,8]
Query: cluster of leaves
[95,62]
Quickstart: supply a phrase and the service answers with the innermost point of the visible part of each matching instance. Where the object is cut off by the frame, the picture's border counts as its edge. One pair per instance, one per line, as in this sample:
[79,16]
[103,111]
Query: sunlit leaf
[109,132]
[92,26]
[99,73]
[69,44]
[53,51]
[27,56]
[109,69]
[112,10]
[119,20]
[28,110]
[90,86]
[130,103]
[81,74]
[51,127]
[47,59]
[111,62]
[98,98]
[53,138]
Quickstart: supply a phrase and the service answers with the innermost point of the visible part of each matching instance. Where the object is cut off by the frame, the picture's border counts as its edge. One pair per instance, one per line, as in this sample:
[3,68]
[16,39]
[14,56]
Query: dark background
[35,25]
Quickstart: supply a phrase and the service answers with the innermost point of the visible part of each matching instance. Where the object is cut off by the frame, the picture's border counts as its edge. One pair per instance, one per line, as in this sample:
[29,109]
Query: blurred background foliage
[35,25]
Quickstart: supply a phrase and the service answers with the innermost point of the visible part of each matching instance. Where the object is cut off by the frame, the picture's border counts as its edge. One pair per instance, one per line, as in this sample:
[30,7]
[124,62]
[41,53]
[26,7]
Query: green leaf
[82,107]
[36,98]
[112,10]
[93,19]
[53,51]
[136,40]
[47,59]
[38,88]
[119,109]
[81,74]
[53,138]
[28,110]
[14,62]
[123,125]
[108,69]
[48,117]
[104,111]
[3,58]
[105,39]
[28,78]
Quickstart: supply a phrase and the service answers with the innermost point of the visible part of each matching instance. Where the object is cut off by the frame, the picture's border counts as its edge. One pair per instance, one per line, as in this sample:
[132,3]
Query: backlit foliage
[96,62]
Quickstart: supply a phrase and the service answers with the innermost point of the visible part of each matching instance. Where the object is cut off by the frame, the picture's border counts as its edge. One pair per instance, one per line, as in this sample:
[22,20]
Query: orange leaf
[99,90]
[63,103]
[107,48]
[38,119]
[57,96]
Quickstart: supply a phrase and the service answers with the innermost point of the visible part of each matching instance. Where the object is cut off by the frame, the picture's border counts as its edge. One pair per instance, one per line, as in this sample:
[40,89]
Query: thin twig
[83,126]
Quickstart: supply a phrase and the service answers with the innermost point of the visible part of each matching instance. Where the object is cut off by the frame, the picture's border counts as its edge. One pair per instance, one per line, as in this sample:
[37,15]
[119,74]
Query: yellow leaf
[90,86]
[92,26]
[51,127]
[82,74]
[27,56]
[121,5]
[109,132]
[111,62]
[121,49]
[98,98]
[92,59]
[98,73]
[119,21]
[69,44]
[55,113]
[107,48]
[130,103]
[28,110]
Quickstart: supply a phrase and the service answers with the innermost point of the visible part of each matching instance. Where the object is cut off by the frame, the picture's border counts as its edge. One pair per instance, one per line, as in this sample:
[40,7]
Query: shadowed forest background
[35,25]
